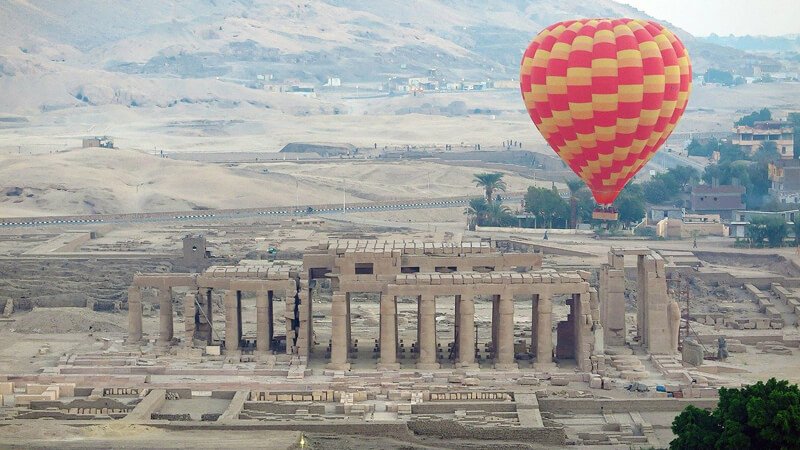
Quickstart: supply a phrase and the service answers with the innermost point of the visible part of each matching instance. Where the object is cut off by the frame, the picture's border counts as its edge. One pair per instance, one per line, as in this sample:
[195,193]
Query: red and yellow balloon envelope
[606,94]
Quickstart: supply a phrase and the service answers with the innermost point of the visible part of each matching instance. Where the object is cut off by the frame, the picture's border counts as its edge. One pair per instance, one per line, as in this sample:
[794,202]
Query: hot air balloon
[606,94]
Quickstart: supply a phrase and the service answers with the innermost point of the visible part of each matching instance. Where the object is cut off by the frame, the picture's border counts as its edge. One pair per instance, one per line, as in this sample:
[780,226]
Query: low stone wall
[51,301]
[450,429]
[451,407]
[395,429]
[171,417]
[598,406]
[284,408]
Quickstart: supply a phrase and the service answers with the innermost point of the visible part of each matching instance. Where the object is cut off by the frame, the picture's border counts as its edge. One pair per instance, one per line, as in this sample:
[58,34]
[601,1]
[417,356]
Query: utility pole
[344,197]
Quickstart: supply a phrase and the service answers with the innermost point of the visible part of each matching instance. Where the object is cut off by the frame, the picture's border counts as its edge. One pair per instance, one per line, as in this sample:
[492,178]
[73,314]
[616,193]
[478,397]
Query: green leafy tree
[756,116]
[767,152]
[490,182]
[719,76]
[729,152]
[630,204]
[759,416]
[696,429]
[656,192]
[771,228]
[546,204]
[574,186]
[585,205]
[684,175]
[753,176]
[698,148]
[667,186]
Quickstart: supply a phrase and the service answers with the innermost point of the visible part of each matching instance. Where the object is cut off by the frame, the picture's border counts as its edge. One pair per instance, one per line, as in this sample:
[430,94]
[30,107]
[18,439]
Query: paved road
[234,214]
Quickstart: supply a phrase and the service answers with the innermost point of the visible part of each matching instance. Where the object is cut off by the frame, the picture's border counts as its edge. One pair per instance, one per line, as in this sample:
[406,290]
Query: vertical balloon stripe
[605,94]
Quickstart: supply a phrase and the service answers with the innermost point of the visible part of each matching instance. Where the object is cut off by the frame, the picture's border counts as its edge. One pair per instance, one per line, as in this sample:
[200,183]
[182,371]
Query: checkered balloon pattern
[606,94]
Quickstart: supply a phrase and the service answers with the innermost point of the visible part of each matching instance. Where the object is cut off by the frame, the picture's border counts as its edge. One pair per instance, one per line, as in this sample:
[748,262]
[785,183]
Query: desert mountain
[57,54]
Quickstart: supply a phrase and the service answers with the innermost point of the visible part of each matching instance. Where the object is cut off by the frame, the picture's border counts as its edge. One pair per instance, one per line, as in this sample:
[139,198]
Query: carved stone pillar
[165,327]
[388,337]
[134,315]
[232,330]
[466,332]
[263,322]
[544,332]
[427,333]
[339,327]
[504,359]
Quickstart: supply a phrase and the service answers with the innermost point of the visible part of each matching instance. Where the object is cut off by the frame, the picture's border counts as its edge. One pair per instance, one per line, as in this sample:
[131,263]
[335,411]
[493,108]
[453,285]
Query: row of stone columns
[502,332]
[233,317]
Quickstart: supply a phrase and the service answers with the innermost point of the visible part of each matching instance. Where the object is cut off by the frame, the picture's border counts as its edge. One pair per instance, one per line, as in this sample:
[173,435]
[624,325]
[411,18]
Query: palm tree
[574,185]
[490,182]
[477,211]
[497,214]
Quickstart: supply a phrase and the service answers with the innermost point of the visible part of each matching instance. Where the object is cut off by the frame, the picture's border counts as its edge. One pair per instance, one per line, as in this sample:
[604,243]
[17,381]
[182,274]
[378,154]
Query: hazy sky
[724,17]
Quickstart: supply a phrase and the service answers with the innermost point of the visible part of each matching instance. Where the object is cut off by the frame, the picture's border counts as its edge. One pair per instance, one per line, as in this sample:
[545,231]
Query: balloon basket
[605,214]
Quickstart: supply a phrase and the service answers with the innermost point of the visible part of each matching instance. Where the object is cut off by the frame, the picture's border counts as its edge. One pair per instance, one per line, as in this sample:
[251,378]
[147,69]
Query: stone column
[388,342]
[504,359]
[534,323]
[190,317]
[544,333]
[495,323]
[612,299]
[339,344]
[165,330]
[134,315]
[466,332]
[427,333]
[231,320]
[263,325]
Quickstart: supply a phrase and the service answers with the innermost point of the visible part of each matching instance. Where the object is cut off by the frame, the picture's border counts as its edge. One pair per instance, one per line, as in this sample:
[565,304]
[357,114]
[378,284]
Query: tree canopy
[770,228]
[755,116]
[753,176]
[630,204]
[546,204]
[665,187]
[762,415]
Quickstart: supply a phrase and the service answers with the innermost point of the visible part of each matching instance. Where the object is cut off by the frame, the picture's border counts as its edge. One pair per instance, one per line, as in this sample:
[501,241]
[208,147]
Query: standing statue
[722,348]
[674,323]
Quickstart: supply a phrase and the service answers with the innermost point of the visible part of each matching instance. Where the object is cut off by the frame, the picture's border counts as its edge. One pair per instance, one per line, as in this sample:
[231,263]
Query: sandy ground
[121,435]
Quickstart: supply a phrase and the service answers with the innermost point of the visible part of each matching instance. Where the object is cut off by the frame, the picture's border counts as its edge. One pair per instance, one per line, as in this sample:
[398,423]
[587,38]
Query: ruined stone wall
[450,429]
[598,406]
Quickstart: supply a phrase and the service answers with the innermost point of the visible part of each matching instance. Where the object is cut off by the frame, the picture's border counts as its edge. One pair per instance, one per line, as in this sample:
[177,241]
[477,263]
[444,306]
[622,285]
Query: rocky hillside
[56,54]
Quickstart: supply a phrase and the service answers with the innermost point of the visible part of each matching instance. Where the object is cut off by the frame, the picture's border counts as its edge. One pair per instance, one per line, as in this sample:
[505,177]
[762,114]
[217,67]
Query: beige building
[690,226]
[750,138]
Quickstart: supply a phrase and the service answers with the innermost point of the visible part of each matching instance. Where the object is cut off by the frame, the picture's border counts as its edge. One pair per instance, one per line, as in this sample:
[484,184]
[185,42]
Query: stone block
[557,380]
[52,393]
[632,375]
[213,350]
[763,324]
[607,383]
[26,399]
[35,389]
[736,348]
[66,389]
[6,387]
[596,382]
